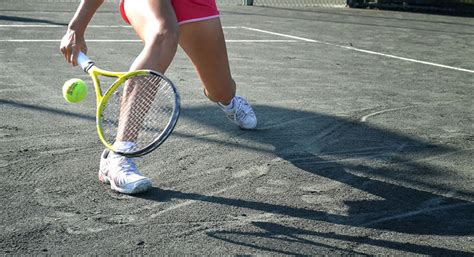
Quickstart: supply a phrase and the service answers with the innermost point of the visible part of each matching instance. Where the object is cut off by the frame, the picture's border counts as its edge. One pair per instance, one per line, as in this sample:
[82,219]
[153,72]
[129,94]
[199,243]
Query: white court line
[261,41]
[56,26]
[364,119]
[137,40]
[284,35]
[189,202]
[416,212]
[58,40]
[243,41]
[361,50]
[90,26]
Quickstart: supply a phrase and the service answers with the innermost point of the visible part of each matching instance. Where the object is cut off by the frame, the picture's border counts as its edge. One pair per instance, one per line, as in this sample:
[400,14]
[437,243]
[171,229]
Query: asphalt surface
[364,145]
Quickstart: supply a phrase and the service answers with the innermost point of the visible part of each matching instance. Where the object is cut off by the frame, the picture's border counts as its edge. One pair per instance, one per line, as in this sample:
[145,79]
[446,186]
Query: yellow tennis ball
[74,90]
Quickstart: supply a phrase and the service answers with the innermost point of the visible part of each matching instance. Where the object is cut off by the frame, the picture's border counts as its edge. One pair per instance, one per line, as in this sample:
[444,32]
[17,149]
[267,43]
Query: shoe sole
[139,186]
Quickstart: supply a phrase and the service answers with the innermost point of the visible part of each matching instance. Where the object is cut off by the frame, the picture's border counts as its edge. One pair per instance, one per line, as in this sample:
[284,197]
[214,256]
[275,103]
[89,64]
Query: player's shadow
[378,161]
[29,20]
[392,166]
[283,239]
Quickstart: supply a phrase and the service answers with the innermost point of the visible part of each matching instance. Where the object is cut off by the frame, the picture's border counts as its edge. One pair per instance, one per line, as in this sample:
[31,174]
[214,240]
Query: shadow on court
[44,109]
[321,145]
[284,236]
[29,20]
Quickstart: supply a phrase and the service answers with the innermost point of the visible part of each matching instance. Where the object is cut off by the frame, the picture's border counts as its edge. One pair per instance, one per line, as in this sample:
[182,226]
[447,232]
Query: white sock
[122,146]
[229,107]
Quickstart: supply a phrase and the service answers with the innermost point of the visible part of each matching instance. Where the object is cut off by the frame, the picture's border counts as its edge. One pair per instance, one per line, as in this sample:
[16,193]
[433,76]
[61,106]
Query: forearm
[83,15]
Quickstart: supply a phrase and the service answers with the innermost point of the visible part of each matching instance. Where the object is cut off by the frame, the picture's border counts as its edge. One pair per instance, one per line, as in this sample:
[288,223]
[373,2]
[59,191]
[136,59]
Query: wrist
[74,28]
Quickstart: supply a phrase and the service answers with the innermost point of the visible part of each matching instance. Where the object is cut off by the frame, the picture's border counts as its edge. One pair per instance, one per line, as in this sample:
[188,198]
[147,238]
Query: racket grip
[84,61]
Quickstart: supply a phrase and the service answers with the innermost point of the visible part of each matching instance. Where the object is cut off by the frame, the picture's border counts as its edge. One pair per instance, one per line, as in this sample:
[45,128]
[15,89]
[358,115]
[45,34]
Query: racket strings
[138,111]
[144,116]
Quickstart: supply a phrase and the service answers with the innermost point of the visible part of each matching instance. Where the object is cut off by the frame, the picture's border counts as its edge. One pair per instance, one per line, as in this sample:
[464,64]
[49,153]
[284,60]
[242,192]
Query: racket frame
[94,72]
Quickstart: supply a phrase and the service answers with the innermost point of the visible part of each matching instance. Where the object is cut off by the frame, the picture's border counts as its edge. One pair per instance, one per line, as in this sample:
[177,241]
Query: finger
[75,53]
[67,54]
[64,49]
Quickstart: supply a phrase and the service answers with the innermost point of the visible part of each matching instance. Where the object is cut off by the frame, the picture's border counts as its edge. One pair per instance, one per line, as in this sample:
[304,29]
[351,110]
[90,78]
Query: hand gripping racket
[137,113]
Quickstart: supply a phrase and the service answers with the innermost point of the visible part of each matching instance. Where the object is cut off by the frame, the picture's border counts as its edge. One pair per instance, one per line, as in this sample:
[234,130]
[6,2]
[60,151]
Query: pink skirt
[187,10]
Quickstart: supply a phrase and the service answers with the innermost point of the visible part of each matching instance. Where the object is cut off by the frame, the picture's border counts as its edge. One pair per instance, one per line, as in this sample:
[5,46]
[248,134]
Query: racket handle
[84,61]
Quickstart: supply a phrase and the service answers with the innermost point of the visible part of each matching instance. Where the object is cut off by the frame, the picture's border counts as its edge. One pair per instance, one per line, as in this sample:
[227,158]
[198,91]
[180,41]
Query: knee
[162,35]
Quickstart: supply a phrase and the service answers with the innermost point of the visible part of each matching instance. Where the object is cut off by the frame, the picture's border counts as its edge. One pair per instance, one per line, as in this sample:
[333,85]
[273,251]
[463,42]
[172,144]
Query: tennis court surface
[364,145]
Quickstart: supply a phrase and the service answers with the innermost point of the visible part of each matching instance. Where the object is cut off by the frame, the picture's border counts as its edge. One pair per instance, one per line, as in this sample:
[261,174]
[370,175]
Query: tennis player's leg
[155,23]
[204,43]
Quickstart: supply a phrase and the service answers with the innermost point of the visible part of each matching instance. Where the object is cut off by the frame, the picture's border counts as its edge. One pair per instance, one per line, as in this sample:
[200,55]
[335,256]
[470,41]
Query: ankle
[220,99]
[227,106]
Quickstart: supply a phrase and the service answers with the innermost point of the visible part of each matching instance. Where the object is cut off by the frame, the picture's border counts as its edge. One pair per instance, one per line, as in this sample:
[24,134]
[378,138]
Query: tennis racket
[137,113]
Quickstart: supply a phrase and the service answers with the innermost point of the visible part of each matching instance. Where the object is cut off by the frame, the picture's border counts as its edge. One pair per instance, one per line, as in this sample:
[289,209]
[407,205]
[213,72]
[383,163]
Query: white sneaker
[240,112]
[122,174]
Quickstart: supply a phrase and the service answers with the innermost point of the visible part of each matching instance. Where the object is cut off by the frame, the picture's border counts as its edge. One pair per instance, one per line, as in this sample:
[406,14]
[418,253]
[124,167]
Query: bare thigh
[204,43]
[155,23]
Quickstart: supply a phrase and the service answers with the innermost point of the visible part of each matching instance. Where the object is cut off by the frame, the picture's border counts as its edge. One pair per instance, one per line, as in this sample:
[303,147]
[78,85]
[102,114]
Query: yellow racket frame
[95,72]
[89,67]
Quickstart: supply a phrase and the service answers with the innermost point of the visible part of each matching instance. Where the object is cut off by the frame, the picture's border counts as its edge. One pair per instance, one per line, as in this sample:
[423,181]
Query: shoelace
[244,109]
[127,168]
